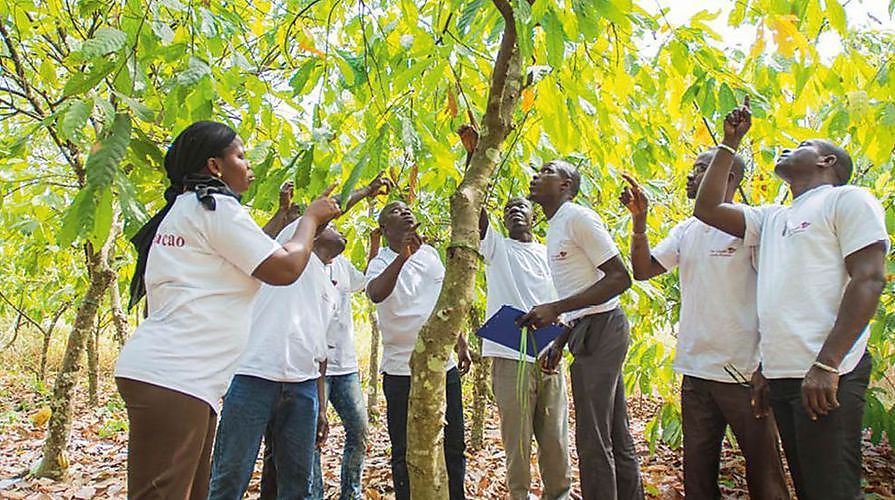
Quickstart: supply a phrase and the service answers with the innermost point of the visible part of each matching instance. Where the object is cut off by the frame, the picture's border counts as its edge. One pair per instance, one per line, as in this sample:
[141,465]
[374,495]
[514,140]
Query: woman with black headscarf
[200,261]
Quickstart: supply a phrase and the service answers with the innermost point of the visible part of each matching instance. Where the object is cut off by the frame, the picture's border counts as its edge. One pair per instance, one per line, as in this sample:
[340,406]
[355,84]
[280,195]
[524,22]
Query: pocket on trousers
[578,338]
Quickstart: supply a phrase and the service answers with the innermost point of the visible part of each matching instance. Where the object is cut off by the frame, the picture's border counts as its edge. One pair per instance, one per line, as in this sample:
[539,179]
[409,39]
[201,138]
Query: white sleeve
[755,218]
[374,269]
[355,277]
[858,220]
[668,251]
[587,230]
[488,245]
[233,234]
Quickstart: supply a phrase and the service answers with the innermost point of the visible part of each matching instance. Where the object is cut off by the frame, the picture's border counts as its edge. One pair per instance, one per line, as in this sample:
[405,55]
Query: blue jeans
[250,406]
[344,393]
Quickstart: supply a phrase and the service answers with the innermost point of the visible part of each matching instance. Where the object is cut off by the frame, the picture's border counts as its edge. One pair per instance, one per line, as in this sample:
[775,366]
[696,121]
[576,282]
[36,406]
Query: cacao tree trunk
[55,462]
[481,377]
[119,318]
[373,378]
[425,420]
[47,337]
[93,361]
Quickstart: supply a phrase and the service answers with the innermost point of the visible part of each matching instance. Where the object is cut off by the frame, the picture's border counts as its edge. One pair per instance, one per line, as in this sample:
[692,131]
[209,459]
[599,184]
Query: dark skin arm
[285,214]
[483,223]
[710,206]
[642,261]
[866,267]
[322,420]
[286,264]
[383,285]
[615,281]
[378,186]
[464,359]
[375,241]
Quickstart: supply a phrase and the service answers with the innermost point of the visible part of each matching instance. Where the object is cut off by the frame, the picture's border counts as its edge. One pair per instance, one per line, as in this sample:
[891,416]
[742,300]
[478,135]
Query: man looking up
[588,275]
[831,241]
[717,340]
[517,274]
[404,281]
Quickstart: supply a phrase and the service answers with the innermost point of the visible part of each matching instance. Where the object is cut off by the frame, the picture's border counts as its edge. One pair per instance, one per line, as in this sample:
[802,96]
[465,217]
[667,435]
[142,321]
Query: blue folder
[502,328]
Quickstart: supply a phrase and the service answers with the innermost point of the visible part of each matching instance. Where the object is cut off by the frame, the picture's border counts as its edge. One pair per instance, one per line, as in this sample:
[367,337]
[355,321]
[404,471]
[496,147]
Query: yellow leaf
[758,46]
[528,99]
[787,35]
[41,416]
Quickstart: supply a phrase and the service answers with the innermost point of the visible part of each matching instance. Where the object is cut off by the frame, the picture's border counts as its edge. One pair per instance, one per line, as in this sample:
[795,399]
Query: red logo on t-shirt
[169,240]
[727,252]
[798,228]
[561,255]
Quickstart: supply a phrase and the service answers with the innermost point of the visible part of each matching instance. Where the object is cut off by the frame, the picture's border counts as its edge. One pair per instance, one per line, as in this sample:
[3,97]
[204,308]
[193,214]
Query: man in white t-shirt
[278,384]
[588,275]
[517,274]
[717,342]
[821,270]
[404,281]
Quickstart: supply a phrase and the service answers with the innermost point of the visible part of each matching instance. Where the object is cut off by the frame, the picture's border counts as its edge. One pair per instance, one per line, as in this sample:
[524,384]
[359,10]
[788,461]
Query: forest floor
[98,453]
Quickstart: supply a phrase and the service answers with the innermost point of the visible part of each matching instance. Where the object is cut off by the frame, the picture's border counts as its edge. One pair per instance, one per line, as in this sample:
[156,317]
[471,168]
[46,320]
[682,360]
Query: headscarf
[184,161]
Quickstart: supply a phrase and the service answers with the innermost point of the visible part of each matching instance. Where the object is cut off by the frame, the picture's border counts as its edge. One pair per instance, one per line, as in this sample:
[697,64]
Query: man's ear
[827,161]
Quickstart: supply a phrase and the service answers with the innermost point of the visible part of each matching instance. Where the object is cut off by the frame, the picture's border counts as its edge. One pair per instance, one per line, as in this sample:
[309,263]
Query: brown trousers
[608,461]
[707,408]
[169,442]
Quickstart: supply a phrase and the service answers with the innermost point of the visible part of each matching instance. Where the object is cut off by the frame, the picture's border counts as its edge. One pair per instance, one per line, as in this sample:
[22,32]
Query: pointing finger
[328,191]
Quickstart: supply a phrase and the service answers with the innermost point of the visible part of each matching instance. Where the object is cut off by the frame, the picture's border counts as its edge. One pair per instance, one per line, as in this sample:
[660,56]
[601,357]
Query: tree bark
[373,378]
[55,462]
[93,360]
[119,318]
[47,337]
[425,454]
[481,376]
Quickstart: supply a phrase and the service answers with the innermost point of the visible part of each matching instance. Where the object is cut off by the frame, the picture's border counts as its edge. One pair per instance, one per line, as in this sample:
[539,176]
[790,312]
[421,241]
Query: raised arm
[383,285]
[286,264]
[285,214]
[375,241]
[483,223]
[642,261]
[710,207]
[378,186]
[867,270]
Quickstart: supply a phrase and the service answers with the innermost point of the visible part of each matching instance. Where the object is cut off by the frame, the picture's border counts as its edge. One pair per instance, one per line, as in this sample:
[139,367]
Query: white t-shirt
[577,244]
[341,357]
[718,322]
[802,274]
[404,312]
[518,275]
[200,291]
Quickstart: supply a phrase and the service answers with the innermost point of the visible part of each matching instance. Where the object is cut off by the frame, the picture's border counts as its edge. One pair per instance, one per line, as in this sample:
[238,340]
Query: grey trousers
[607,459]
[541,411]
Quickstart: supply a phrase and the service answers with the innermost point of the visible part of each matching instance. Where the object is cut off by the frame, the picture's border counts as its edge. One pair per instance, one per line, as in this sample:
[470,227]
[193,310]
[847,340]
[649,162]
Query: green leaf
[105,109]
[358,69]
[102,164]
[195,71]
[105,41]
[78,219]
[131,208]
[738,14]
[522,11]
[887,115]
[836,14]
[82,82]
[102,218]
[300,79]
[555,38]
[140,110]
[468,14]
[373,155]
[303,170]
[75,118]
[726,100]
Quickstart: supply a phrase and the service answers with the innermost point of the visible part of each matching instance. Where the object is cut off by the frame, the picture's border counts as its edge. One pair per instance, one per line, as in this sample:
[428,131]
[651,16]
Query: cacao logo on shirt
[727,252]
[794,230]
[169,240]
[561,255]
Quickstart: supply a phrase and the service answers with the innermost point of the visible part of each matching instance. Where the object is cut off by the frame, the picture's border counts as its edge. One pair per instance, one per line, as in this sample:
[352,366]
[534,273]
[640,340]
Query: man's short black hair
[570,172]
[386,209]
[843,166]
[517,199]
